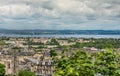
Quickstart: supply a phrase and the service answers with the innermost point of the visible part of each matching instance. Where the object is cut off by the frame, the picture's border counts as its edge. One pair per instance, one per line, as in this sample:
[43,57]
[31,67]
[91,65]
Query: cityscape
[59,37]
[36,54]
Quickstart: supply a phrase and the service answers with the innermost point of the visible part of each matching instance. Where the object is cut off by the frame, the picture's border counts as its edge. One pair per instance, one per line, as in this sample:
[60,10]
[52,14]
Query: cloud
[15,10]
[60,14]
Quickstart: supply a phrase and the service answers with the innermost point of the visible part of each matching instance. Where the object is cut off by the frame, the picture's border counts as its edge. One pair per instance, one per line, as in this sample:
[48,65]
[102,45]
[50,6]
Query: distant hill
[39,32]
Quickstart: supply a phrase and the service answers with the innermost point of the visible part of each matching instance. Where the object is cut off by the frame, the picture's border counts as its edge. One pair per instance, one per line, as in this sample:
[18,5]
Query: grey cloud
[58,13]
[59,8]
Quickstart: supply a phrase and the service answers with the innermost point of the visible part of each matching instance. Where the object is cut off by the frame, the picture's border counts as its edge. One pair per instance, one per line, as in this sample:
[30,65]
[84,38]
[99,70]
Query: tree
[82,63]
[79,64]
[2,70]
[25,73]
[52,53]
[106,63]
[53,42]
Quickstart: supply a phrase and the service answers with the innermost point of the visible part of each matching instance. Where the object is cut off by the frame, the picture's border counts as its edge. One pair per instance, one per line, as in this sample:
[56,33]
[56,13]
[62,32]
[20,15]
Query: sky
[60,14]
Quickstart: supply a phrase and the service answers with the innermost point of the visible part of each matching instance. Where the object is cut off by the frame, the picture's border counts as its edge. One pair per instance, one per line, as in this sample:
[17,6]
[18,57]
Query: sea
[62,36]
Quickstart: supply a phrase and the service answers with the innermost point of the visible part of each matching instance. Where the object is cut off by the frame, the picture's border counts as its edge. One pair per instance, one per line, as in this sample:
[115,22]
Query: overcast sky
[60,14]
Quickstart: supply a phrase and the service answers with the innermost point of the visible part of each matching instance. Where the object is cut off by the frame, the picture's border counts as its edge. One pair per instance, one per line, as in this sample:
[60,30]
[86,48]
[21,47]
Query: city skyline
[60,14]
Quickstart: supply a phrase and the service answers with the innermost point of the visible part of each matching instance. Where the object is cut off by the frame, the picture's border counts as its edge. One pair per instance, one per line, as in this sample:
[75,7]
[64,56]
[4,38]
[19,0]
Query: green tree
[106,63]
[53,42]
[2,70]
[82,63]
[99,43]
[25,73]
[79,64]
[52,53]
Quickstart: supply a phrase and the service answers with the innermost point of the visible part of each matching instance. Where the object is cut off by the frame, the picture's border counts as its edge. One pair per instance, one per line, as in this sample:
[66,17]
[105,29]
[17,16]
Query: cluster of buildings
[16,56]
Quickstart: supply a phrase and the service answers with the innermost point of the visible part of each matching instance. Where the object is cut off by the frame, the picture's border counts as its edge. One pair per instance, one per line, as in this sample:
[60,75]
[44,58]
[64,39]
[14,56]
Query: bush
[2,70]
[25,73]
